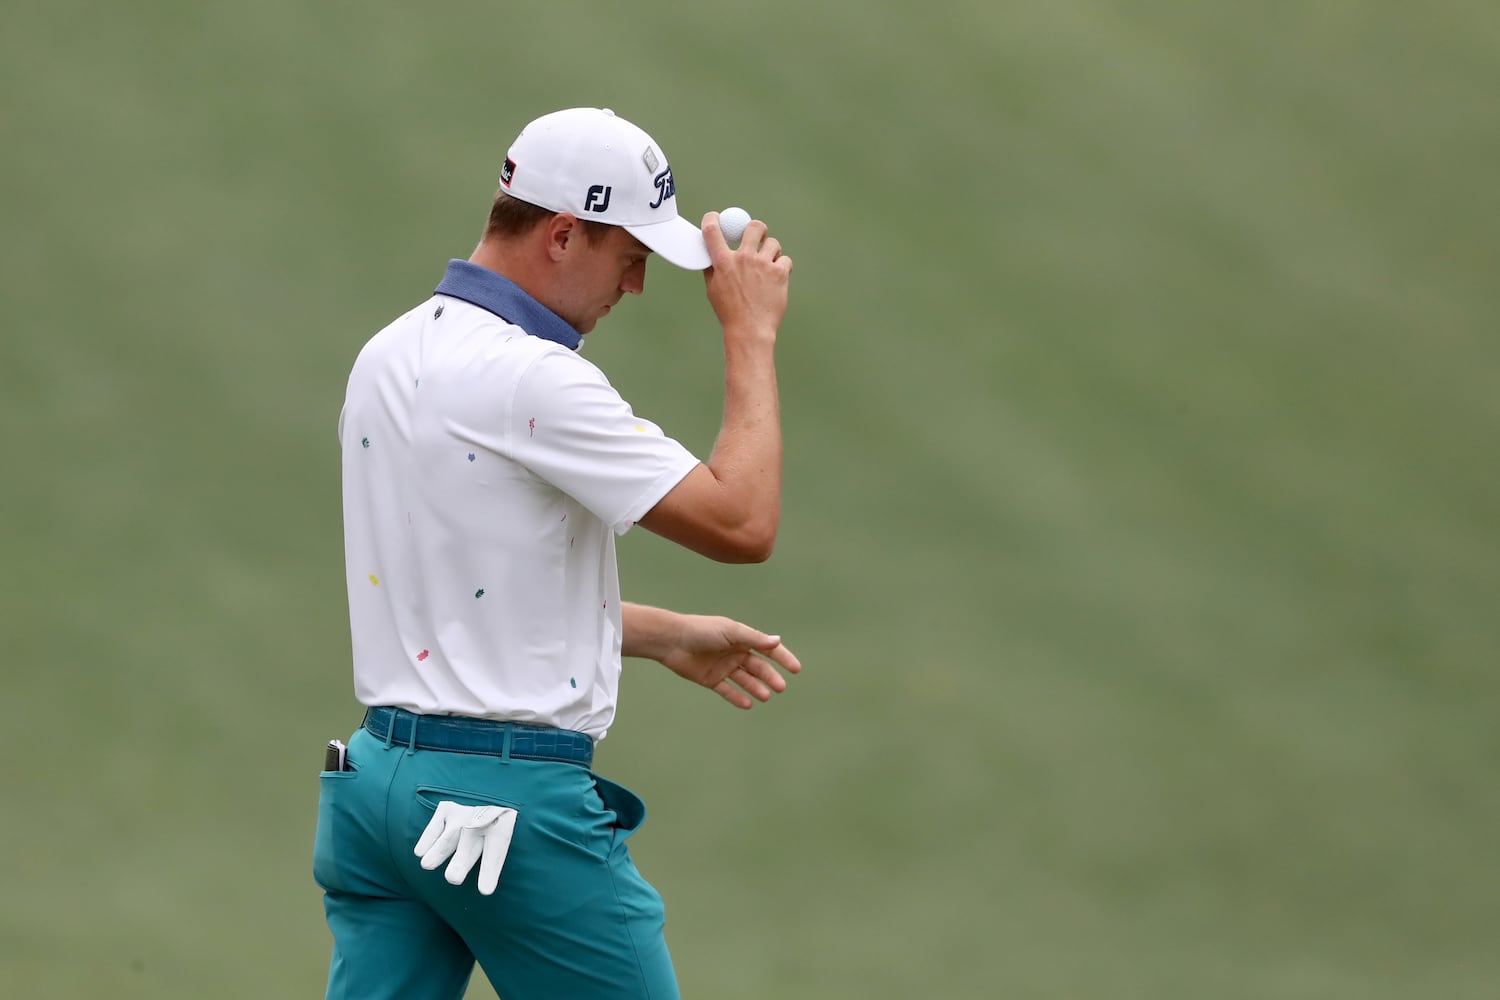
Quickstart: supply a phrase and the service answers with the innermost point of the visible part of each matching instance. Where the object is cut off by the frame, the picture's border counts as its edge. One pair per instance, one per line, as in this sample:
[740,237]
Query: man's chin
[587,326]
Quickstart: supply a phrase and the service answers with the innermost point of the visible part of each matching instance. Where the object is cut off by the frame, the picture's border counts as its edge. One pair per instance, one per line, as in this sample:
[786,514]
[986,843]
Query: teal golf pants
[571,918]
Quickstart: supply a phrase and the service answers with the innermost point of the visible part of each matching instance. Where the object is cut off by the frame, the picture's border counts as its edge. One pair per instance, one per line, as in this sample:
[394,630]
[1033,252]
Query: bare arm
[730,509]
[719,653]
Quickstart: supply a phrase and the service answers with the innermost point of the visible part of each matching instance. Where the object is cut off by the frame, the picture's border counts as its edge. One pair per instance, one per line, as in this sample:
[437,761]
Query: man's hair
[510,217]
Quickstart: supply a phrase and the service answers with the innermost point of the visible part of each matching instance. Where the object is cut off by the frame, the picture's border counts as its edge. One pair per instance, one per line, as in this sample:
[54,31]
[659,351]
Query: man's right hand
[747,287]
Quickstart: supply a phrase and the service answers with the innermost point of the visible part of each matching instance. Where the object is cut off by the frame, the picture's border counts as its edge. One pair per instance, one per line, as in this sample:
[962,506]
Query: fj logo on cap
[664,187]
[597,199]
[650,160]
[508,171]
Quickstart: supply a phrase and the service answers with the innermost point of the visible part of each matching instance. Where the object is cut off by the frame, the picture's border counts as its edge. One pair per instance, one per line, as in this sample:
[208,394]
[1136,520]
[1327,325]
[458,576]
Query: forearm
[649,633]
[729,508]
[746,458]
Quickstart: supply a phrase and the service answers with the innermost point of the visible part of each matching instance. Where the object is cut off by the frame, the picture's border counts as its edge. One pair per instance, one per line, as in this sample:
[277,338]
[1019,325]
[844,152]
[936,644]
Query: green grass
[1141,386]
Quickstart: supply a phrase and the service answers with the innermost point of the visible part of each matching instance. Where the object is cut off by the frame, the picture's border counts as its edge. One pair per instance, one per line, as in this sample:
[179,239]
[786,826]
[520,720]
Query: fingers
[496,847]
[784,657]
[442,847]
[713,237]
[761,244]
[770,646]
[747,664]
[742,636]
[431,834]
[754,240]
[755,232]
[733,695]
[441,836]
[470,844]
[758,679]
[490,865]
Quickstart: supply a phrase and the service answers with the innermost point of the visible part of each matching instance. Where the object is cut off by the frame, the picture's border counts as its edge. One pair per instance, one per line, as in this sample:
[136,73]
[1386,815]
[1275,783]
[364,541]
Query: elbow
[756,552]
[721,526]
[753,543]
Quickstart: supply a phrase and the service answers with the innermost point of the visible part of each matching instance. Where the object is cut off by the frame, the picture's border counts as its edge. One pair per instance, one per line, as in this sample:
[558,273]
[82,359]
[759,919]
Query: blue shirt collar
[498,294]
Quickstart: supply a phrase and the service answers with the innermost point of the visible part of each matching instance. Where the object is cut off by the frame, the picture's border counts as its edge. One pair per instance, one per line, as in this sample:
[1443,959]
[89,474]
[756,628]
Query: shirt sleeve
[571,428]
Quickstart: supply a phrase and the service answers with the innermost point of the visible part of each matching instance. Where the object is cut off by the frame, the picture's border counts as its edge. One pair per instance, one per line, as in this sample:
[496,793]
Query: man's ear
[563,230]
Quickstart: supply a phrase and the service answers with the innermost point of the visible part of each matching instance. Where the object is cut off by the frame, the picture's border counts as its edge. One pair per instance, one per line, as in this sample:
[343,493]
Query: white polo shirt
[487,469]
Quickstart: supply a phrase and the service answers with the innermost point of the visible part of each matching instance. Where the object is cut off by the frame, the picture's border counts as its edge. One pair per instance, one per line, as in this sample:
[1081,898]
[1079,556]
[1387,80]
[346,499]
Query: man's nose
[633,281]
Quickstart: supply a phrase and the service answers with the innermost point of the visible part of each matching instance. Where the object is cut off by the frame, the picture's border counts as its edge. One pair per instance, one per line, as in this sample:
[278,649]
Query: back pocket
[430,795]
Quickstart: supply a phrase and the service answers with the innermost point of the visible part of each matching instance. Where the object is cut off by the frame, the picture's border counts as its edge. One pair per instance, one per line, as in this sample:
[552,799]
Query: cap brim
[677,240]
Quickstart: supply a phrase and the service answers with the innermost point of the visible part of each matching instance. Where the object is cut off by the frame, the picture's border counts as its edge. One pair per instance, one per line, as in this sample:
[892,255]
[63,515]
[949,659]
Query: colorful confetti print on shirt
[374,580]
[422,655]
[364,442]
[471,456]
[478,593]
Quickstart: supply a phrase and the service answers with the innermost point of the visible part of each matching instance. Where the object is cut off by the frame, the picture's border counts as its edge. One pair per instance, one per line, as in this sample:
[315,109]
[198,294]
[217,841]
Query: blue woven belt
[460,734]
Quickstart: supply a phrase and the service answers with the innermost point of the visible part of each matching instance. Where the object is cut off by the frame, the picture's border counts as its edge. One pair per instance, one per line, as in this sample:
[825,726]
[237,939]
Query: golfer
[487,470]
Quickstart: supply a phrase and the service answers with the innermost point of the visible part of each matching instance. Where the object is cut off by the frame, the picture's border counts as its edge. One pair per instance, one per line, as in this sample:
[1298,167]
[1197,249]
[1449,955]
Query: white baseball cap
[596,165]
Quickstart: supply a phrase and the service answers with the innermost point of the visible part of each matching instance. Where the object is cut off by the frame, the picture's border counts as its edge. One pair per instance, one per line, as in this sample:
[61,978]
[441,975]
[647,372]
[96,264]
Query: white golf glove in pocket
[470,834]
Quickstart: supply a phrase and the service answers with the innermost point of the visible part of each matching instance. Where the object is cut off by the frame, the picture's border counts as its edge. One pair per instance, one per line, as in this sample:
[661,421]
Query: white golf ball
[732,221]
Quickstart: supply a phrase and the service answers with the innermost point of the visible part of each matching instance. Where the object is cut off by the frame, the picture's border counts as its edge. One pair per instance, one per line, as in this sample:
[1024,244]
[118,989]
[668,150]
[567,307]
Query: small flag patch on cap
[649,158]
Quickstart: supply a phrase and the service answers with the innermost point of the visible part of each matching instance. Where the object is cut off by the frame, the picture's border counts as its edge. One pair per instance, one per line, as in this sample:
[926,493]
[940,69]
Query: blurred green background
[1141,390]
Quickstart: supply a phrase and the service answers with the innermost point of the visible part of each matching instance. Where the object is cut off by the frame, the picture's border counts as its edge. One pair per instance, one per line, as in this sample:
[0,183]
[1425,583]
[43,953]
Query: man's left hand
[731,658]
